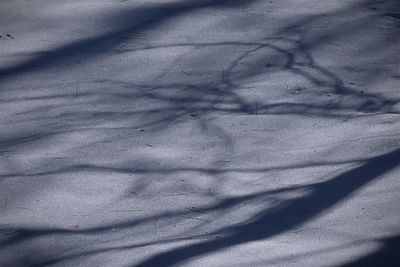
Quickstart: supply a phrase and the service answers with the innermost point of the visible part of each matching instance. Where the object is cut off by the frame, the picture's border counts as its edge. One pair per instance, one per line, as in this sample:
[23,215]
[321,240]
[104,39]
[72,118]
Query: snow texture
[199,133]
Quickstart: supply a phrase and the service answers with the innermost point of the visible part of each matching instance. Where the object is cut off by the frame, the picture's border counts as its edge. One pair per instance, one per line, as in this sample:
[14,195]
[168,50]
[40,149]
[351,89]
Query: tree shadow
[125,27]
[387,255]
[267,224]
[188,99]
[286,216]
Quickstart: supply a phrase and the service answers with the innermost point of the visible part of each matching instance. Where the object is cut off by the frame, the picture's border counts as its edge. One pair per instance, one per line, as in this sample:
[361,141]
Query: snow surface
[199,133]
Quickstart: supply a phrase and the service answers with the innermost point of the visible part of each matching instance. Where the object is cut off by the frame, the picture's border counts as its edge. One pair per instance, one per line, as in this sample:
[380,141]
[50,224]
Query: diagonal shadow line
[387,255]
[149,17]
[268,224]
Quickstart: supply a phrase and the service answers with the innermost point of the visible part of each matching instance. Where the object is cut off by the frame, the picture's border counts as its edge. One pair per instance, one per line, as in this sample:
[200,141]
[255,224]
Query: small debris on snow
[6,36]
[196,210]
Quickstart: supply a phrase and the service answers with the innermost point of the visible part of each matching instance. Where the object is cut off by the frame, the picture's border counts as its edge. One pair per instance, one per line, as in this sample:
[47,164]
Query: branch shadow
[268,224]
[284,217]
[387,255]
[194,101]
[144,18]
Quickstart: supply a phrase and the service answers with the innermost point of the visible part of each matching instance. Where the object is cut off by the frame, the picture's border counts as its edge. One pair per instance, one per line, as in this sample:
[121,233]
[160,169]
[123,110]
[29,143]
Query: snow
[199,133]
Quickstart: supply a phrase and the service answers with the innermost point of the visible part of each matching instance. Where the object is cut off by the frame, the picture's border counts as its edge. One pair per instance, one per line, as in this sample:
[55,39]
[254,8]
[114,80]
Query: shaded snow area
[199,133]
